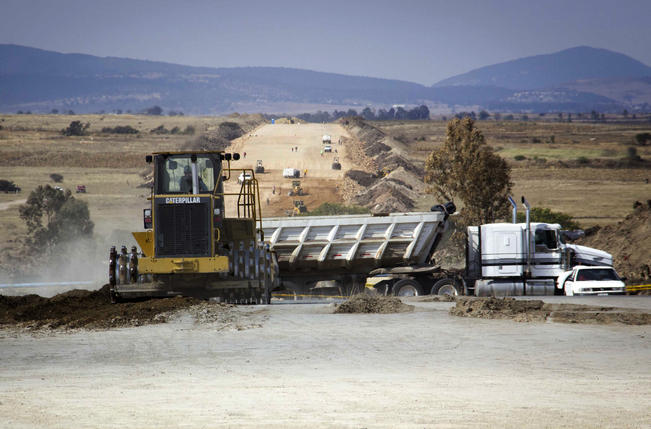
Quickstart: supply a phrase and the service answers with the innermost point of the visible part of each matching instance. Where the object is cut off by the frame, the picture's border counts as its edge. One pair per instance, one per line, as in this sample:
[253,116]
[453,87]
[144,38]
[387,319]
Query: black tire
[407,287]
[446,286]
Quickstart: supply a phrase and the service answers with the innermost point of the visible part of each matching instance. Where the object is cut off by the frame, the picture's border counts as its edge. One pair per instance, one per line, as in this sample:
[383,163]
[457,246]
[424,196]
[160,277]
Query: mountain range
[576,79]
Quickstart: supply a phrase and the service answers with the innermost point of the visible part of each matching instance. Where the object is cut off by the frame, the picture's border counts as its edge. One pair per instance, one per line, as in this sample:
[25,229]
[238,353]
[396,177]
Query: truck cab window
[546,239]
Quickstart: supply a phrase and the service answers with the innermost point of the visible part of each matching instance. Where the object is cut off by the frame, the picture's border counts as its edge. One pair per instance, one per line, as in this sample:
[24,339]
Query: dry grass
[592,195]
[31,148]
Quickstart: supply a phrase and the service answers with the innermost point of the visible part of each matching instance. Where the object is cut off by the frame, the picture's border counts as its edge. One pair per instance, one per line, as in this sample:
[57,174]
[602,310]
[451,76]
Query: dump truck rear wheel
[445,287]
[407,287]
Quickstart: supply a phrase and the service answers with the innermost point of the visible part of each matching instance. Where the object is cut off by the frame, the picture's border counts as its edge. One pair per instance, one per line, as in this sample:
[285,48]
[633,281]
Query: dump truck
[393,254]
[189,246]
[291,172]
[259,168]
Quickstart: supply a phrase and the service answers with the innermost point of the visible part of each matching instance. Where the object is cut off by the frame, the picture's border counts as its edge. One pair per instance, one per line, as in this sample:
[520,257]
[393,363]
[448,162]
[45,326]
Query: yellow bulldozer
[189,245]
[299,208]
[297,189]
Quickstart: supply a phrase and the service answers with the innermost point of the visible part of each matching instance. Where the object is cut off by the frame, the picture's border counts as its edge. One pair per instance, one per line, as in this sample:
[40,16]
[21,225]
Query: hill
[553,70]
[34,79]
[578,79]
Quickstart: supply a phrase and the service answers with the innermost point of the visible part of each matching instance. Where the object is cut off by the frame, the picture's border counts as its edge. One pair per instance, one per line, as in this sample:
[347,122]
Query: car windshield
[596,274]
[175,173]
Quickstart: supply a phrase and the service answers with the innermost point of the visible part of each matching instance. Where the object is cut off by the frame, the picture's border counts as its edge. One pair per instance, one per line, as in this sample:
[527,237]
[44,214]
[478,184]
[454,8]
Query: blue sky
[419,41]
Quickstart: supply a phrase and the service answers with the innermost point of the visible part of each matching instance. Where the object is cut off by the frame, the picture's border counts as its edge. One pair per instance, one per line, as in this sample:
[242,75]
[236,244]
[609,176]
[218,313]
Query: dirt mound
[88,309]
[388,170]
[361,177]
[387,196]
[373,304]
[538,311]
[628,242]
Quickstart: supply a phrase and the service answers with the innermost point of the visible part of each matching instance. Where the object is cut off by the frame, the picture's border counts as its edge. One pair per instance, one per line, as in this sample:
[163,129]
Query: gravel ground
[299,365]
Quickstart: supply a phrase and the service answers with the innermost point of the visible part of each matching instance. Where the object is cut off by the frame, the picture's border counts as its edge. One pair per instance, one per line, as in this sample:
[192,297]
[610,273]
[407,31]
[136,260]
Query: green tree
[465,168]
[53,216]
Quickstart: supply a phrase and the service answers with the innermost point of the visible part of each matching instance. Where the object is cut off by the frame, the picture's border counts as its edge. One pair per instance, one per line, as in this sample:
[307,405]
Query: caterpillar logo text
[183,200]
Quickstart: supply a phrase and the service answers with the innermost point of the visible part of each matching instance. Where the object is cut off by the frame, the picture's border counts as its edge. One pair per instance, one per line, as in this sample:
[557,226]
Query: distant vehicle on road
[595,280]
[244,177]
[7,186]
[327,148]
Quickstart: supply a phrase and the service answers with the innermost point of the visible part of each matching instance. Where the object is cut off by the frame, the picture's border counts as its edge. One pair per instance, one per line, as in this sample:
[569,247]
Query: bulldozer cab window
[175,174]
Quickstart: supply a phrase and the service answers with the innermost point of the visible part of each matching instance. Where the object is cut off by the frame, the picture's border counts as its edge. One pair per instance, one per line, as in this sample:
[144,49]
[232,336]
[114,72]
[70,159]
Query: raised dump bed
[354,244]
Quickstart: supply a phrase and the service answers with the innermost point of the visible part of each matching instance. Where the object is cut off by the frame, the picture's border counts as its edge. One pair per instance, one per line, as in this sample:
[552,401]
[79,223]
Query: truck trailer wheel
[446,287]
[407,287]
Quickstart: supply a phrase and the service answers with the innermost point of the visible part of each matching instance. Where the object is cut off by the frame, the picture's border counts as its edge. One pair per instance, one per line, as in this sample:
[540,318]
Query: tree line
[394,113]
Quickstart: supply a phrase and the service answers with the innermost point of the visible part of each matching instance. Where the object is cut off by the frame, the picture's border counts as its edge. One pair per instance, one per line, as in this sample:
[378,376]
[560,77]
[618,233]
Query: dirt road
[300,365]
[273,145]
[6,205]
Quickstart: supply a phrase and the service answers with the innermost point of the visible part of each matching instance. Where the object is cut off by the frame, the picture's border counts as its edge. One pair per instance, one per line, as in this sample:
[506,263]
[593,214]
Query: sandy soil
[298,365]
[272,144]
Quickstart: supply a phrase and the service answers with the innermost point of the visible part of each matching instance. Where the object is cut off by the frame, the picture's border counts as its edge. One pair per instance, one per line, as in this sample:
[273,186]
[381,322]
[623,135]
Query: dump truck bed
[353,243]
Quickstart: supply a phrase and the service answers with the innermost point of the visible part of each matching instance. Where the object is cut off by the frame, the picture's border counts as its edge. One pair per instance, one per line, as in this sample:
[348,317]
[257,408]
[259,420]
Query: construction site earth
[72,359]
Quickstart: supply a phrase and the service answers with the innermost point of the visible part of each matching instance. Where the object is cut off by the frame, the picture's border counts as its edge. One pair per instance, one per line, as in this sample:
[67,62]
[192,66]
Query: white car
[586,280]
[243,177]
[327,148]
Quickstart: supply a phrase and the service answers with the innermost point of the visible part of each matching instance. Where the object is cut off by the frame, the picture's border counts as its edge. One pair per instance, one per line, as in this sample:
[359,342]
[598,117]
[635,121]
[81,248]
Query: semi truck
[393,254]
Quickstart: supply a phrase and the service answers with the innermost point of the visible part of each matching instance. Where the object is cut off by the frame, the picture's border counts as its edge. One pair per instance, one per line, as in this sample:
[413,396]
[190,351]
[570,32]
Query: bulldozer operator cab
[181,174]
[187,216]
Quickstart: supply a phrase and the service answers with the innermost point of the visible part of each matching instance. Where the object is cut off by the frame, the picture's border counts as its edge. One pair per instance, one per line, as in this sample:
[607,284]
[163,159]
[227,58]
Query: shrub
[160,130]
[56,177]
[543,214]
[76,128]
[230,130]
[189,130]
[120,129]
[535,140]
[642,139]
[330,209]
[631,154]
[520,157]
[583,160]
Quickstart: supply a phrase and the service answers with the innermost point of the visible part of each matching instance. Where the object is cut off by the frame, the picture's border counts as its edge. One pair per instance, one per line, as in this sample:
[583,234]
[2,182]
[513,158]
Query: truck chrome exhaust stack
[515,208]
[527,207]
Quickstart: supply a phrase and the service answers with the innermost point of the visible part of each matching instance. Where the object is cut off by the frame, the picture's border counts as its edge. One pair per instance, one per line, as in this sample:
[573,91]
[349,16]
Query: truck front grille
[183,229]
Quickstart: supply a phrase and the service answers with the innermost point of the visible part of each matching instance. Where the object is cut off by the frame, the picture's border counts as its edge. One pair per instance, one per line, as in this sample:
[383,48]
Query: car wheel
[407,287]
[446,287]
